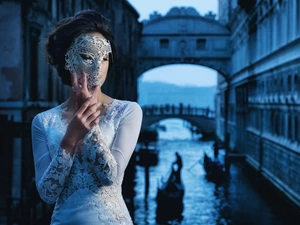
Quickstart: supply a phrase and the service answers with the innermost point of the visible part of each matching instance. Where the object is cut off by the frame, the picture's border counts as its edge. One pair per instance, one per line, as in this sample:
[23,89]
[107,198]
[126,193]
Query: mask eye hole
[87,58]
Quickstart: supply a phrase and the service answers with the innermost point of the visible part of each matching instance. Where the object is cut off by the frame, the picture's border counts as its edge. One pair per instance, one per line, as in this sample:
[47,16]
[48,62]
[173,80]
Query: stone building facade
[29,85]
[263,91]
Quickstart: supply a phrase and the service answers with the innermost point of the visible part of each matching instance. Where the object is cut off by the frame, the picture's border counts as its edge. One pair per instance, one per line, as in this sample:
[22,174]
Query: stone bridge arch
[201,118]
[205,125]
[183,36]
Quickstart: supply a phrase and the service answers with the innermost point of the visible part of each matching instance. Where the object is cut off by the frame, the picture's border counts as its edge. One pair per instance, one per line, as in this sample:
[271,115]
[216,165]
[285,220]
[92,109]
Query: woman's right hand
[87,115]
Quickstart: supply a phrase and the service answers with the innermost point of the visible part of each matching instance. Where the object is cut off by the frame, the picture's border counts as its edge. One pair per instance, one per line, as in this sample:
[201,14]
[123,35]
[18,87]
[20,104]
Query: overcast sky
[177,74]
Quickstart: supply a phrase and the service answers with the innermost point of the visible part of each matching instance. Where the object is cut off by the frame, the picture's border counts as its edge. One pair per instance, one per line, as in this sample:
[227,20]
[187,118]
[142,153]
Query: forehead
[96,34]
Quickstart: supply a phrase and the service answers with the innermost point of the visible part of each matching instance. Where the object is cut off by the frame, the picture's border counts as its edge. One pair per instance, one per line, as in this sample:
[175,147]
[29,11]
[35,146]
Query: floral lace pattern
[55,177]
[90,180]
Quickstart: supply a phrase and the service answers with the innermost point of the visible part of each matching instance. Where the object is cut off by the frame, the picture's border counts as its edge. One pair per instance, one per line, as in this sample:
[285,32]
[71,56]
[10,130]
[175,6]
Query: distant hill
[160,93]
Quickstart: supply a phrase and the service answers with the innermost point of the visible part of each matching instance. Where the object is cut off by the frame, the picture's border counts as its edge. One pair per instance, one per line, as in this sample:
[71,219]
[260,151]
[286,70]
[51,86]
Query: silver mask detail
[85,55]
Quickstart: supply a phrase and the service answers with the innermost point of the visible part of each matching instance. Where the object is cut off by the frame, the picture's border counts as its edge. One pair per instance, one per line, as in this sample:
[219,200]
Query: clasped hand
[87,110]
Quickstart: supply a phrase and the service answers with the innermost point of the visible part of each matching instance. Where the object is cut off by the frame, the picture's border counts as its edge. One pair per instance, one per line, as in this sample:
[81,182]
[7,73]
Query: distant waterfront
[159,93]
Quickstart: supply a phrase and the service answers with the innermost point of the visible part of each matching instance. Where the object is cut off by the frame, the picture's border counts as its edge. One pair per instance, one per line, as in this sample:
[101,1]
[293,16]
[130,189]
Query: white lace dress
[86,187]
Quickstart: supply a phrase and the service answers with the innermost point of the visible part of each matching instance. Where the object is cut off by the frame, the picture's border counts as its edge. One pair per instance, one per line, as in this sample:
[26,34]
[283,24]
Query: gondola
[213,167]
[147,152]
[170,194]
[147,155]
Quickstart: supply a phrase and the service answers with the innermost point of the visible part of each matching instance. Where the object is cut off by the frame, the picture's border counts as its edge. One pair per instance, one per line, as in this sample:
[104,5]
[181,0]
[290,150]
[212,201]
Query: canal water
[239,199]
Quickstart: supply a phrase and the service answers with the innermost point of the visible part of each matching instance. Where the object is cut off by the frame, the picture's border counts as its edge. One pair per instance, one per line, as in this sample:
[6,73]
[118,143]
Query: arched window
[289,84]
[34,40]
[295,89]
[290,127]
[296,129]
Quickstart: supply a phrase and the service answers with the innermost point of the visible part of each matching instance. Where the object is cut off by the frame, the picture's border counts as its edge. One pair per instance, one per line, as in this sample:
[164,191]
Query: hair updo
[62,36]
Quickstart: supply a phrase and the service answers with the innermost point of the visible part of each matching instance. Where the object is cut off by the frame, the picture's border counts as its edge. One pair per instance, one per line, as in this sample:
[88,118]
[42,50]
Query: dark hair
[67,30]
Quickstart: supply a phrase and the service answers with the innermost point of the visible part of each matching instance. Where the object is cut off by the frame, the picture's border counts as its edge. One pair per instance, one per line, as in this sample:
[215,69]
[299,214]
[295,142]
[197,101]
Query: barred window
[164,43]
[201,44]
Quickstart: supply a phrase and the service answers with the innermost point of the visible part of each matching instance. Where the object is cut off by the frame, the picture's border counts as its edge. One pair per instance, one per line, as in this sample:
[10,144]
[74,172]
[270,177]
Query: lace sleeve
[51,174]
[107,163]
[102,161]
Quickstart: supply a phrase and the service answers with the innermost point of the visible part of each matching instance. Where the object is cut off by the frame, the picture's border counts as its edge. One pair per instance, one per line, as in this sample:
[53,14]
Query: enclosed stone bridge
[203,119]
[183,36]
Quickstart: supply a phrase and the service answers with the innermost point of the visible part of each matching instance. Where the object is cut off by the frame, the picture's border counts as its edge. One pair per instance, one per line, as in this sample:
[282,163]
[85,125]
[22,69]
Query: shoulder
[44,116]
[128,108]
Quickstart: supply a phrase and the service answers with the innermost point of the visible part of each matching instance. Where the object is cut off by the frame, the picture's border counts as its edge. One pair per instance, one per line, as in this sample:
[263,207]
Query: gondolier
[177,172]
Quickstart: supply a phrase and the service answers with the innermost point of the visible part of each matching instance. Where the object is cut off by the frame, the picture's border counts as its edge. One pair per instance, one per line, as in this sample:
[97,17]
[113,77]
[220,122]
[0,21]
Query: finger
[95,122]
[85,105]
[93,117]
[93,107]
[84,83]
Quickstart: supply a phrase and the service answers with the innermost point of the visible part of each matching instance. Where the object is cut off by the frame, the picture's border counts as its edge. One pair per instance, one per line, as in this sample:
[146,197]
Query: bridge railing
[173,110]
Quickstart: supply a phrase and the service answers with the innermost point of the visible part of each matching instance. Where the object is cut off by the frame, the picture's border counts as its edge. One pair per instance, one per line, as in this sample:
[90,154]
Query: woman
[82,147]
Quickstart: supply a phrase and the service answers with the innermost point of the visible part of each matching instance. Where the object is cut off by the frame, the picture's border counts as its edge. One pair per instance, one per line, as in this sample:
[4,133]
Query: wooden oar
[195,163]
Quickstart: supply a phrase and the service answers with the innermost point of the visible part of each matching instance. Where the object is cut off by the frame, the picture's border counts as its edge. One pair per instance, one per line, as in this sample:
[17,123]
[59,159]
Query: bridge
[183,36]
[201,118]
